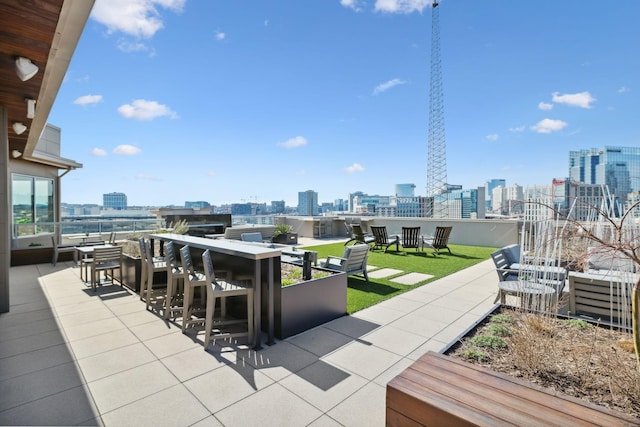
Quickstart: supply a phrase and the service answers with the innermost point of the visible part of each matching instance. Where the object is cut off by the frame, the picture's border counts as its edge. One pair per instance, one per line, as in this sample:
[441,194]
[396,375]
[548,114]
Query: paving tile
[54,410]
[210,421]
[36,360]
[395,340]
[364,408]
[365,360]
[114,361]
[431,345]
[139,317]
[379,314]
[30,343]
[411,278]
[323,384]
[320,341]
[154,329]
[239,382]
[118,390]
[102,343]
[94,315]
[24,330]
[93,329]
[383,272]
[393,371]
[292,410]
[403,303]
[192,363]
[352,326]
[325,421]
[419,325]
[171,407]
[281,360]
[169,344]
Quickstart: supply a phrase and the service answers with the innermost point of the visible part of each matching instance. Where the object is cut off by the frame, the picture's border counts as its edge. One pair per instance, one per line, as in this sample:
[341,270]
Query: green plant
[488,341]
[477,355]
[578,323]
[502,318]
[282,229]
[499,330]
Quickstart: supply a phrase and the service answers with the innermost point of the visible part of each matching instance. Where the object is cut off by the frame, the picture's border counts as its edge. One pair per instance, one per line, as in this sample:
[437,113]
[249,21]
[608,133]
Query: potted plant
[284,234]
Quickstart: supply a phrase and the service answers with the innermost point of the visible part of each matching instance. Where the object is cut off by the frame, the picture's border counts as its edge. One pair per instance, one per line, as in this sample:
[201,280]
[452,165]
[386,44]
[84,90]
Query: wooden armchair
[439,240]
[382,240]
[411,238]
[358,235]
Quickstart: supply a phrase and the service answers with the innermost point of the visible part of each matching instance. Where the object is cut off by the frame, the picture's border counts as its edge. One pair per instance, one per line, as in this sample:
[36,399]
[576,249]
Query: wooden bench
[438,390]
[601,296]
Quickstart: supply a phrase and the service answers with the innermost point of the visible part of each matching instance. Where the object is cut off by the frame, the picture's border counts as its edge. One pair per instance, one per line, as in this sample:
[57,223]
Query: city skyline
[181,100]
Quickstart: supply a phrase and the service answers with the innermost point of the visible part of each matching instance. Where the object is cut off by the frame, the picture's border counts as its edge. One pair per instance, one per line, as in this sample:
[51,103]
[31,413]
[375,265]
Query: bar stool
[217,288]
[153,265]
[192,280]
[174,300]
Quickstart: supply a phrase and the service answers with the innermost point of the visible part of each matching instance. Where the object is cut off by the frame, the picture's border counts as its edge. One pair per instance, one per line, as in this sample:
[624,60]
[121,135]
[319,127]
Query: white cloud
[582,99]
[493,137]
[129,47]
[220,35]
[351,4]
[98,152]
[138,18]
[401,6]
[623,89]
[356,167]
[387,85]
[545,106]
[141,109]
[518,129]
[298,141]
[549,125]
[126,150]
[88,99]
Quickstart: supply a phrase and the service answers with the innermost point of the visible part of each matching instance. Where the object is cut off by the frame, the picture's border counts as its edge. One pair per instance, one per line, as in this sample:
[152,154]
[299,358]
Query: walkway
[69,357]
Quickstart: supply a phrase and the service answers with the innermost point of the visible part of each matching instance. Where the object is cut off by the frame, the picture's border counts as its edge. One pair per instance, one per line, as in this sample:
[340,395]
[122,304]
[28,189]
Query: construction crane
[436,147]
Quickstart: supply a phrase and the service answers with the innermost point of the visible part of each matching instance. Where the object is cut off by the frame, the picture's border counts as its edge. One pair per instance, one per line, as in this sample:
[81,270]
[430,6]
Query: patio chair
[217,288]
[382,240]
[175,282]
[107,259]
[353,261]
[192,280]
[153,266]
[357,235]
[411,238]
[58,249]
[439,240]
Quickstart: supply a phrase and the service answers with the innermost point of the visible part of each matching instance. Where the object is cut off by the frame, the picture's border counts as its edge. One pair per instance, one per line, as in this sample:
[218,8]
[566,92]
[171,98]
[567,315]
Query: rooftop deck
[69,357]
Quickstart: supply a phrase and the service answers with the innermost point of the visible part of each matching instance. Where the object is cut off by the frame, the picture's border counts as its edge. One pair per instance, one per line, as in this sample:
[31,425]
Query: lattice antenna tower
[437,147]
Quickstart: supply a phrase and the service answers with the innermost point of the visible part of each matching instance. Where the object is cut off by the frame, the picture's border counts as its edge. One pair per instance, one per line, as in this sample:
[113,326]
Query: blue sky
[229,101]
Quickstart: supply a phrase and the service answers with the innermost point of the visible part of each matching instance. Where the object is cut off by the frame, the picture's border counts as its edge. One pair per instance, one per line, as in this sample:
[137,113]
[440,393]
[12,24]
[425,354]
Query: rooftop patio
[69,357]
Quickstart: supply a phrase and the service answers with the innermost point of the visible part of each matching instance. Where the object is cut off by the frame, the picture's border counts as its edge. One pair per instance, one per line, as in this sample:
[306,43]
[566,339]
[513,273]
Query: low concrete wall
[473,232]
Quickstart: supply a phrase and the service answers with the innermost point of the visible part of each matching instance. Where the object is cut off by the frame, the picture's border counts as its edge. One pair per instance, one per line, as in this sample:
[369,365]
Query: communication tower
[437,146]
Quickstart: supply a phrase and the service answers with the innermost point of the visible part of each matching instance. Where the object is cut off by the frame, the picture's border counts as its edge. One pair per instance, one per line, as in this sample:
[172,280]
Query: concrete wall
[479,232]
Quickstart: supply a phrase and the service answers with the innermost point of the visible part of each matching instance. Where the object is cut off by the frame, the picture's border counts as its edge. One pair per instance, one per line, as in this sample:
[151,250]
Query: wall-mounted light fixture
[15,154]
[19,128]
[31,108]
[25,69]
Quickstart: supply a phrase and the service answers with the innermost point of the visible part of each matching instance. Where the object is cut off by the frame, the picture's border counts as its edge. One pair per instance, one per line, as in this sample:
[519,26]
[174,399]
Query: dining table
[84,254]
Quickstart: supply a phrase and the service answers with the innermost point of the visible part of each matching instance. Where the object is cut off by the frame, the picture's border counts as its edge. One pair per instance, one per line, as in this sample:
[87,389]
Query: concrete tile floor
[71,357]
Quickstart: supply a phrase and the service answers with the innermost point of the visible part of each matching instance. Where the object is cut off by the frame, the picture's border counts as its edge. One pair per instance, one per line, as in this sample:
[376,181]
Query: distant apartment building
[197,205]
[489,186]
[405,190]
[466,204]
[409,206]
[341,205]
[616,167]
[308,203]
[117,201]
[278,207]
[507,200]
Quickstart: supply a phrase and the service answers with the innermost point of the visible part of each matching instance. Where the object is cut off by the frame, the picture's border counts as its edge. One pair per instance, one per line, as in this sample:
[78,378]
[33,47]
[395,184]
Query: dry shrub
[570,356]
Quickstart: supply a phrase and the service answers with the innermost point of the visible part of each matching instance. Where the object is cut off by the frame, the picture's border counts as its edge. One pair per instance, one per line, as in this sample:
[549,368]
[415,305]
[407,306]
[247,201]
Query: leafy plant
[578,323]
[499,330]
[477,355]
[502,318]
[282,229]
[489,341]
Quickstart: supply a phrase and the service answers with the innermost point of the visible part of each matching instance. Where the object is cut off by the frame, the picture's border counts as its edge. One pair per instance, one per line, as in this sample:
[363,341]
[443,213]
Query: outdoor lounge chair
[251,237]
[411,238]
[439,240]
[358,235]
[352,261]
[382,240]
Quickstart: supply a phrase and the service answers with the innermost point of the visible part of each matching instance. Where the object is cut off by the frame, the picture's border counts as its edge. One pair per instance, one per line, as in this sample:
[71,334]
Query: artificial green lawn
[361,294]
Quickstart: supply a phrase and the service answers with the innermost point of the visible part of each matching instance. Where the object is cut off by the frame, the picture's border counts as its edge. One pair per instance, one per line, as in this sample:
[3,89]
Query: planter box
[286,239]
[306,305]
[36,255]
[132,270]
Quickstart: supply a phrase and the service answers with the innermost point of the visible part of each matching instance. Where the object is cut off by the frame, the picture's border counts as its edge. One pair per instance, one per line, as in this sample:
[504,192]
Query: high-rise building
[277,207]
[116,201]
[308,203]
[405,190]
[616,167]
[489,186]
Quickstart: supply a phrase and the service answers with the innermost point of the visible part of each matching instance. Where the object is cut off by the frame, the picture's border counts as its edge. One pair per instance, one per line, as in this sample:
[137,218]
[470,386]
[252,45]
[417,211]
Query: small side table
[532,295]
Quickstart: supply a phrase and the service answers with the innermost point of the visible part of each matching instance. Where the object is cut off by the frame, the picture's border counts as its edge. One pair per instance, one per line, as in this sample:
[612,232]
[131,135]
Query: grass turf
[361,294]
